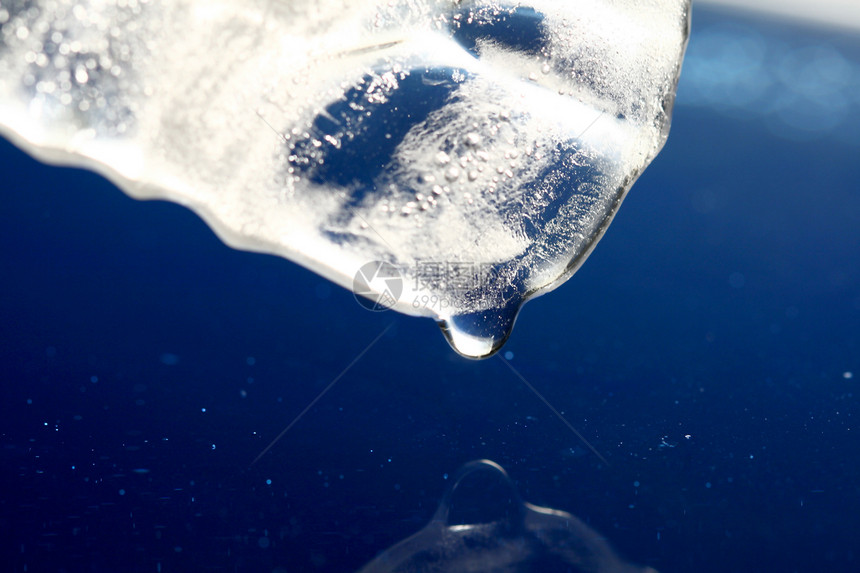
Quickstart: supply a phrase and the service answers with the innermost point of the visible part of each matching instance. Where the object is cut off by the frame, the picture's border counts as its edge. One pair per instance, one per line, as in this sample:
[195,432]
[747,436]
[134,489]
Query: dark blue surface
[704,349]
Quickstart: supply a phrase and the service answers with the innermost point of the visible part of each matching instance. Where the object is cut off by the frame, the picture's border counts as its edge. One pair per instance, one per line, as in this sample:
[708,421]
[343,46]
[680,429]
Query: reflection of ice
[486,135]
[515,537]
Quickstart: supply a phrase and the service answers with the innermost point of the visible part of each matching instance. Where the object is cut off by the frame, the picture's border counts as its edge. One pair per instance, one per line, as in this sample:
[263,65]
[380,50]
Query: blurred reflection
[498,532]
[806,88]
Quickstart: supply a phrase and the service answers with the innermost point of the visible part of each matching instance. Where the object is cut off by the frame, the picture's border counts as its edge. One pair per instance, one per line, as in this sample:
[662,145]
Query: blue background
[708,349]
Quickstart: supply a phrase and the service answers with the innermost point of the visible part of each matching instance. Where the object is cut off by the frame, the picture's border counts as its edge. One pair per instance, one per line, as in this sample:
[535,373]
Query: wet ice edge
[482,148]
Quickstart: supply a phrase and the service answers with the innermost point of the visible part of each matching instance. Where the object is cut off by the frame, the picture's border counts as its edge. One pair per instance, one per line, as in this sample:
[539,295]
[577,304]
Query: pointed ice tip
[479,335]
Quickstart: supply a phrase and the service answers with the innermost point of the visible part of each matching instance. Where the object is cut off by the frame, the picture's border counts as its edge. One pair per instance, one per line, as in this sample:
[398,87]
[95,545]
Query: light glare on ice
[480,148]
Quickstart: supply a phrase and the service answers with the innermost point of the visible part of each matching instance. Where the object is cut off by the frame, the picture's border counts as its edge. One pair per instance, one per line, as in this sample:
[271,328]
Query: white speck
[81,75]
[848,375]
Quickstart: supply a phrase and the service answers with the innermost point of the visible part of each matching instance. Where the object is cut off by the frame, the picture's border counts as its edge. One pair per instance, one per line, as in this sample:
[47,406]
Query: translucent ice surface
[474,151]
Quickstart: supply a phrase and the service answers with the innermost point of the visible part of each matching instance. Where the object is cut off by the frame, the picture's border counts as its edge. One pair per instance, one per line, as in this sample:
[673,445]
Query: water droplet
[480,334]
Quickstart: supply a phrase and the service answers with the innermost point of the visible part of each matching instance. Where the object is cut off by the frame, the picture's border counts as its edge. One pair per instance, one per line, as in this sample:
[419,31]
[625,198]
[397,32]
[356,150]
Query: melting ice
[480,149]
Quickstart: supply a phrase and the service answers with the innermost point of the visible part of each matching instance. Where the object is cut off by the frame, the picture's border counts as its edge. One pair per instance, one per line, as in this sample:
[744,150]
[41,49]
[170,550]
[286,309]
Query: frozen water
[479,148]
[524,538]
